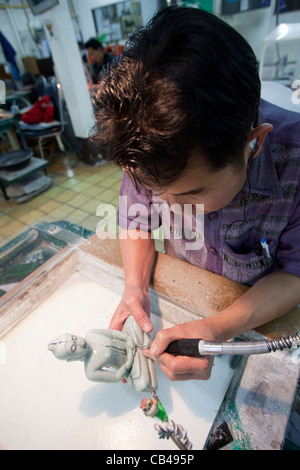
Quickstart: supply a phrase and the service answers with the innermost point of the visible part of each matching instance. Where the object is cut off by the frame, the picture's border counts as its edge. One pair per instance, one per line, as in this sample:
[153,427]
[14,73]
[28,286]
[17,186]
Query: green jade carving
[102,349]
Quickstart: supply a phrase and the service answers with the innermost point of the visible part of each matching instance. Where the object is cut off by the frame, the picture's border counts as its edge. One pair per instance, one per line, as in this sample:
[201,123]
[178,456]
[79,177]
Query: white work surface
[50,404]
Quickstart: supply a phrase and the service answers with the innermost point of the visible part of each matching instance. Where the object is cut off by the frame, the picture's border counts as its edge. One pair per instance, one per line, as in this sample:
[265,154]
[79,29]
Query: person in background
[182,116]
[98,57]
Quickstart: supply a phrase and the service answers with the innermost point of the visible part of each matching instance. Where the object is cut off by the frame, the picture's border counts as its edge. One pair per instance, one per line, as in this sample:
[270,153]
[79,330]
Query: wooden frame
[192,292]
[180,292]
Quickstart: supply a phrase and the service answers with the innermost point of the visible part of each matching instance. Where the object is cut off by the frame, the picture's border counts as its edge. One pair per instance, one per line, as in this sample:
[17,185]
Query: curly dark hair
[186,89]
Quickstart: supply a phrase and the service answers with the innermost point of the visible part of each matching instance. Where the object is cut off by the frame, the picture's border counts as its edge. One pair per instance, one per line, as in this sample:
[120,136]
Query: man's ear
[258,135]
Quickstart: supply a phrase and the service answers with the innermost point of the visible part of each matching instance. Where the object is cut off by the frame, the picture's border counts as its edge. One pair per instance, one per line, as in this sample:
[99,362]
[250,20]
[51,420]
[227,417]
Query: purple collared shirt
[267,207]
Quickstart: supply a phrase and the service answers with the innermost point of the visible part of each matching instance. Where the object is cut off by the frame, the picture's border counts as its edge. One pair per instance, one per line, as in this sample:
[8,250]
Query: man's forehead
[193,180]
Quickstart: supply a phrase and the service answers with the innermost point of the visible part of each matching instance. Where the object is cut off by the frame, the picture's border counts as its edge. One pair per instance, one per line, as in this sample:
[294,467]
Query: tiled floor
[76,193]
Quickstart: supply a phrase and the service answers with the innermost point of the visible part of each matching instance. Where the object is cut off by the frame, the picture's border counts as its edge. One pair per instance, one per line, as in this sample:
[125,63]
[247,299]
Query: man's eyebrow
[192,191]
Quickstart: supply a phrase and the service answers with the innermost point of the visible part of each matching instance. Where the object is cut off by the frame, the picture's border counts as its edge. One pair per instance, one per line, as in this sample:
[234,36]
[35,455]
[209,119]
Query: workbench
[19,95]
[257,404]
[9,123]
[11,177]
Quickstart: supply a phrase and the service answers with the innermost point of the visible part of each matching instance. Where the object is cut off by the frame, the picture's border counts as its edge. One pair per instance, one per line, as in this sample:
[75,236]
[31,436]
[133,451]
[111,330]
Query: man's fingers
[120,316]
[180,368]
[184,376]
[162,341]
[141,316]
[118,319]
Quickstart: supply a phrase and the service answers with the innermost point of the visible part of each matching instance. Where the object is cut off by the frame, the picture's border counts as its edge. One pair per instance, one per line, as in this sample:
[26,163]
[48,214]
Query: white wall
[69,69]
[255,25]
[14,26]
[65,52]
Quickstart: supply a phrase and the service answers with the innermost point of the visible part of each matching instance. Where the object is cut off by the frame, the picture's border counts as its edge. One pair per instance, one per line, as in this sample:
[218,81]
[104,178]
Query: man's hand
[135,301]
[270,298]
[138,257]
[182,367]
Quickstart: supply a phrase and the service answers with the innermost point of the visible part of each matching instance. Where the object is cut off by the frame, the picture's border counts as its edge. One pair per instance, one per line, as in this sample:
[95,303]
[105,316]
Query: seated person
[98,56]
[181,114]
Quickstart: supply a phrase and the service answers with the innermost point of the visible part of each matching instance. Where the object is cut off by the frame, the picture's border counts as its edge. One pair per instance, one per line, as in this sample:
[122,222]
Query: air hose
[198,348]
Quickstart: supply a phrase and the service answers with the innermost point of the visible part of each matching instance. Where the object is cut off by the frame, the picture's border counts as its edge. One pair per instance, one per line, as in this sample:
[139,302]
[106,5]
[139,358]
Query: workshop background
[50,171]
[48,47]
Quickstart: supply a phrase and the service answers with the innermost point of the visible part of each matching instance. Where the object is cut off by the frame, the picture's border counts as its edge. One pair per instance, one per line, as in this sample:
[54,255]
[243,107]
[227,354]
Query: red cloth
[41,111]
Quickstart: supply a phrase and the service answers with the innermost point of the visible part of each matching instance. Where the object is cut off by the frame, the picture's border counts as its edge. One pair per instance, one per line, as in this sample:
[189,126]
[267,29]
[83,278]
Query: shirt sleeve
[287,256]
[135,208]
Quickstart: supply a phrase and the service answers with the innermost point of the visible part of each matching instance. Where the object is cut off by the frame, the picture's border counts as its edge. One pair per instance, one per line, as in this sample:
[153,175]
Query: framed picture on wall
[118,20]
[39,6]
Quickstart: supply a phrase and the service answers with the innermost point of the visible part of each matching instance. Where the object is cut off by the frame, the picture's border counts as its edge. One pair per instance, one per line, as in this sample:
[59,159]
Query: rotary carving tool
[193,347]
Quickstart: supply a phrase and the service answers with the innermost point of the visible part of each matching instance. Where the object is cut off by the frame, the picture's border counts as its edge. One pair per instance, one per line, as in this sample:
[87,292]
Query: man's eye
[202,192]
[73,348]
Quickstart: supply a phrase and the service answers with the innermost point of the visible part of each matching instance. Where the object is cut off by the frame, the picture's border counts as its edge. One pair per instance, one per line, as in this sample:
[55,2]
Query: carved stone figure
[120,350]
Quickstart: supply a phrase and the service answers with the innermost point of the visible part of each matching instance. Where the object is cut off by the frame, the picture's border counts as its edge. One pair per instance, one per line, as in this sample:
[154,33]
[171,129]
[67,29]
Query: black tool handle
[184,347]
